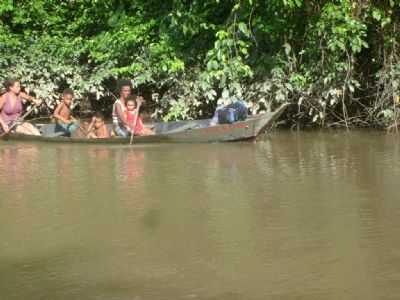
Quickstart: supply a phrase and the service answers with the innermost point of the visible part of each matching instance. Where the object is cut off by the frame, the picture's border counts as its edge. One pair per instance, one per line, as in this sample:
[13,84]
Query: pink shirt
[9,113]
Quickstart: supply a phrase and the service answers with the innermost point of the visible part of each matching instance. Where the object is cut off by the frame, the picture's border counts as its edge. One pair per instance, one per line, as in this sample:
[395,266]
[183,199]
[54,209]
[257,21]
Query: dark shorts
[67,129]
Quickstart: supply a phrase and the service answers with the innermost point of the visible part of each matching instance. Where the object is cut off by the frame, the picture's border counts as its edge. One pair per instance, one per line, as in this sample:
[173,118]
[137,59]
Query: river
[309,215]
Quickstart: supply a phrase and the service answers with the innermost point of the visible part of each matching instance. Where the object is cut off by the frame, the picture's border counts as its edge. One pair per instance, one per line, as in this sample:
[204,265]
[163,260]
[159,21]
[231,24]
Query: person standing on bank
[11,108]
[120,122]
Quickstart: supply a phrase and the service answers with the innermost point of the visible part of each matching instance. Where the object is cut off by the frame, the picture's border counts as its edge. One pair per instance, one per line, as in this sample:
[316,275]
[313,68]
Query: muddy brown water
[310,215]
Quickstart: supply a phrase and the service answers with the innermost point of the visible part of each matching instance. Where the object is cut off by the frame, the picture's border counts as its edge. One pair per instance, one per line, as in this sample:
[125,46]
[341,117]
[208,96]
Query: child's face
[98,122]
[67,99]
[130,105]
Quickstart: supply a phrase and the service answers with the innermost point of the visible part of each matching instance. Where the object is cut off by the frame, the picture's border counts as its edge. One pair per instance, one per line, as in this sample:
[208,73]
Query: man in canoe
[120,123]
[65,122]
[11,108]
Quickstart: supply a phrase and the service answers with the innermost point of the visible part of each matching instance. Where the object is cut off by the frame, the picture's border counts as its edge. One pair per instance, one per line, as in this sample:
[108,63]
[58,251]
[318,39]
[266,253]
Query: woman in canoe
[11,108]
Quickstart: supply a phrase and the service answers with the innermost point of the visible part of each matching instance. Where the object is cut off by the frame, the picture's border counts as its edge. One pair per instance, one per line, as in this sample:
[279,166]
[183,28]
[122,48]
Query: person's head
[68,96]
[131,103]
[125,89]
[13,86]
[98,120]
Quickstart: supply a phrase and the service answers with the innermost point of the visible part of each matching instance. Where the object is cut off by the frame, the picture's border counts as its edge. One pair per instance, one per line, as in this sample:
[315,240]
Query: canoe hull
[177,132]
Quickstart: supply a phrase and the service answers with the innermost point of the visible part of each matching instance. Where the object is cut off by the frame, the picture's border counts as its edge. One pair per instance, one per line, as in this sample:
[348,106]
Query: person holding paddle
[11,109]
[121,125]
[133,118]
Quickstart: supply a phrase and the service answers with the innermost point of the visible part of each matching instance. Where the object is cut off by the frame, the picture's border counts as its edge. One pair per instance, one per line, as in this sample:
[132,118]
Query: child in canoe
[132,113]
[65,122]
[98,128]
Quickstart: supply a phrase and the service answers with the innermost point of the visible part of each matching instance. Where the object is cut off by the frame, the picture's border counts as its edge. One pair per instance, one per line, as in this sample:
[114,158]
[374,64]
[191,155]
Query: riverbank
[337,62]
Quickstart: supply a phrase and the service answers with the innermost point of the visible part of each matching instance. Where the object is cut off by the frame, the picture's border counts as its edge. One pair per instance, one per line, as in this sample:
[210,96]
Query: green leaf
[243,28]
[376,14]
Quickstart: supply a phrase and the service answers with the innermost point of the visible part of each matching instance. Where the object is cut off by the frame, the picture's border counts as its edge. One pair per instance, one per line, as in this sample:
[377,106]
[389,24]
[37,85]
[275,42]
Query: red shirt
[130,117]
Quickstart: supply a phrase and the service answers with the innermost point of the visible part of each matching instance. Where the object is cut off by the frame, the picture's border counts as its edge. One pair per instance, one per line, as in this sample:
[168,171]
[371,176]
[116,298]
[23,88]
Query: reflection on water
[298,216]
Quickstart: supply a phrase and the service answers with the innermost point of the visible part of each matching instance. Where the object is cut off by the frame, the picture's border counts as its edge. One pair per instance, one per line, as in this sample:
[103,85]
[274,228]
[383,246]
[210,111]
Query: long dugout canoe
[196,131]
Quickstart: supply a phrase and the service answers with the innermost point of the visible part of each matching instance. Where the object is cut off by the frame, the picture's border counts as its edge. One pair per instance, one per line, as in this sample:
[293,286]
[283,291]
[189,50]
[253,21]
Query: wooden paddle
[134,122]
[16,122]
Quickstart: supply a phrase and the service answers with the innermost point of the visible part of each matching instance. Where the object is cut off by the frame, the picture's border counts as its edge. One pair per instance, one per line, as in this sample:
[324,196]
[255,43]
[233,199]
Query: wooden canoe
[197,131]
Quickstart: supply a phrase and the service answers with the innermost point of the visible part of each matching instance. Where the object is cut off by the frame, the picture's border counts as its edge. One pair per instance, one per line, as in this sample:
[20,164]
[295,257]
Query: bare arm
[58,116]
[121,114]
[29,98]
[104,132]
[2,124]
[2,100]
[90,128]
[140,101]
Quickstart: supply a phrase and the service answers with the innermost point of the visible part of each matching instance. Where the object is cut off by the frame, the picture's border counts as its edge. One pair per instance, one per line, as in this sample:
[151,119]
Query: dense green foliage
[337,61]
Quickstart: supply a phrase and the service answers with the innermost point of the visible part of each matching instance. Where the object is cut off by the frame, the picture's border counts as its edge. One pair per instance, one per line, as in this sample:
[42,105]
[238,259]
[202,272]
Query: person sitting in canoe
[97,128]
[120,124]
[65,122]
[133,118]
[11,108]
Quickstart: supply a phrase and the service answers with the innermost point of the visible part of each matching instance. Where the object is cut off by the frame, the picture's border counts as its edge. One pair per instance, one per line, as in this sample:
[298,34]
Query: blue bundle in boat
[236,111]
